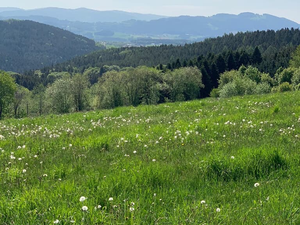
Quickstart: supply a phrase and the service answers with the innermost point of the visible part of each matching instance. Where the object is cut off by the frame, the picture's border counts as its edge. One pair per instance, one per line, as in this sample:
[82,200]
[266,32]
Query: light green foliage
[21,101]
[285,86]
[295,59]
[262,88]
[265,78]
[286,75]
[228,77]
[214,161]
[253,73]
[239,86]
[143,85]
[296,77]
[59,96]
[7,90]
[80,84]
[245,81]
[185,83]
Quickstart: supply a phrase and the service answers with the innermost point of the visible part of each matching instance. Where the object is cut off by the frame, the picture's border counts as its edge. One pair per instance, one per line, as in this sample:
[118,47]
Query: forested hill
[26,45]
[269,43]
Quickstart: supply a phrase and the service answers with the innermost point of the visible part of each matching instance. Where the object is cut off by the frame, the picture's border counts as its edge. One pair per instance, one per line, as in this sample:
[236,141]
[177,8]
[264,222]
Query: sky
[287,8]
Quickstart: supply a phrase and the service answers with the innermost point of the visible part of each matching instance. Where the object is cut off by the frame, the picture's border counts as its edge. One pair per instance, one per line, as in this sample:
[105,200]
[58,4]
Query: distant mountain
[140,29]
[26,45]
[80,15]
[4,9]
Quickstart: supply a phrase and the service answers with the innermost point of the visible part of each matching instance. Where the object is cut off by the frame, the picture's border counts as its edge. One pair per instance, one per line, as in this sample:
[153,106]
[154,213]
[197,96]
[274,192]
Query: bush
[285,86]
[263,88]
[239,86]
[215,93]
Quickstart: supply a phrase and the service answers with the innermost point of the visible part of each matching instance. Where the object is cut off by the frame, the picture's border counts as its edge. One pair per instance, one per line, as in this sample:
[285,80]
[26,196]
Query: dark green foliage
[27,45]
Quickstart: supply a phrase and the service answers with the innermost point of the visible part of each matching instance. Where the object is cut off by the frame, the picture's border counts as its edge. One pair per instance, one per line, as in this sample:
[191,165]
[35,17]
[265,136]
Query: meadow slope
[229,161]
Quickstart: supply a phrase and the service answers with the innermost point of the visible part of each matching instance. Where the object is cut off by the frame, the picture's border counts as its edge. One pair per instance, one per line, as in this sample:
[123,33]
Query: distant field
[229,161]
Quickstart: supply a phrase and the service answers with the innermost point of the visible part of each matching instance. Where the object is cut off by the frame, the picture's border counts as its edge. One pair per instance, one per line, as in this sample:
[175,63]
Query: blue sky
[288,8]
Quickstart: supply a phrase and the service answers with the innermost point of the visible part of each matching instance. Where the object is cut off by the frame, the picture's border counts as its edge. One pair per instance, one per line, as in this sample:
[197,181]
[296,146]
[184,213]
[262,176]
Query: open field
[229,161]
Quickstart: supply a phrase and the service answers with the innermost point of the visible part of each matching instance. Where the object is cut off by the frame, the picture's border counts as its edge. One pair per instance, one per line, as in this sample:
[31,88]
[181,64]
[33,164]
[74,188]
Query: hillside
[139,29]
[269,43]
[27,45]
[80,14]
[230,161]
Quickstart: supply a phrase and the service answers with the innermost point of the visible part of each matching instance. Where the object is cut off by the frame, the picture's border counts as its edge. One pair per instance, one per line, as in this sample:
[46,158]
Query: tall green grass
[229,161]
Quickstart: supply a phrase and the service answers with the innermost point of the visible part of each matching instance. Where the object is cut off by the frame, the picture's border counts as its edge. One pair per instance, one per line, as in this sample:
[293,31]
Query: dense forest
[267,50]
[25,45]
[245,63]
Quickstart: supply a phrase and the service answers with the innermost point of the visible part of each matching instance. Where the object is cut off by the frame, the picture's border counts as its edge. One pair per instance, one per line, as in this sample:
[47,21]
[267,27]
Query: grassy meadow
[211,161]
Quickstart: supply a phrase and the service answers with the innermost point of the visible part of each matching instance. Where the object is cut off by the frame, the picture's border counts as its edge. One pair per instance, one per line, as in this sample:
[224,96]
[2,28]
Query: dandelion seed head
[82,198]
[202,202]
[218,210]
[110,199]
[84,208]
[256,184]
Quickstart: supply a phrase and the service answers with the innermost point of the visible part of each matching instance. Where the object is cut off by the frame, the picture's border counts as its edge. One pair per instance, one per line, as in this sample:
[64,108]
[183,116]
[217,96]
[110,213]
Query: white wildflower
[84,208]
[82,198]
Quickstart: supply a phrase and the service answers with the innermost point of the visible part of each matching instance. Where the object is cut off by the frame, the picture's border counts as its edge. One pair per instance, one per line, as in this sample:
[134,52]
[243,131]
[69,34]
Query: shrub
[263,88]
[285,86]
[215,93]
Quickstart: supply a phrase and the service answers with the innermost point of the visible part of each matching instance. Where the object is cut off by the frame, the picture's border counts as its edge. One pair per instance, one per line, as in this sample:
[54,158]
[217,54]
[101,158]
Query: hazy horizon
[287,9]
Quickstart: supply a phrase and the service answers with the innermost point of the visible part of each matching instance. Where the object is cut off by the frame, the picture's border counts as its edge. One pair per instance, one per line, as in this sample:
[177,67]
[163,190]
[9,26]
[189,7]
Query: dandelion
[45,175]
[202,202]
[110,199]
[56,221]
[131,209]
[70,145]
[99,206]
[218,210]
[134,152]
[153,160]
[84,208]
[256,184]
[82,198]
[24,170]
[232,157]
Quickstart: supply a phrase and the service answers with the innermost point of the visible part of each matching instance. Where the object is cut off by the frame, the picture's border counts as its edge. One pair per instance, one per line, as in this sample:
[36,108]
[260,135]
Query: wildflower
[56,221]
[134,152]
[110,199]
[24,170]
[153,160]
[45,175]
[131,209]
[202,202]
[232,157]
[82,198]
[256,184]
[84,208]
[70,145]
[218,210]
[99,206]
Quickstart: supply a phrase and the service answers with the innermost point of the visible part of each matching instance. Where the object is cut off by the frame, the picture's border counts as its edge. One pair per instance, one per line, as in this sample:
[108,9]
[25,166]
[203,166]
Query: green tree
[80,85]
[295,59]
[21,94]
[256,56]
[7,90]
